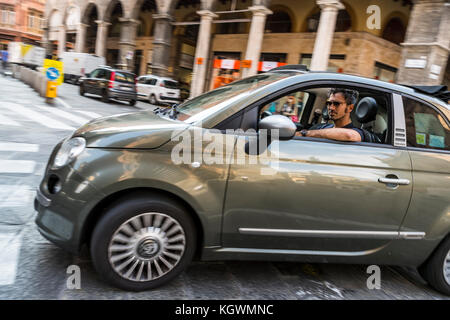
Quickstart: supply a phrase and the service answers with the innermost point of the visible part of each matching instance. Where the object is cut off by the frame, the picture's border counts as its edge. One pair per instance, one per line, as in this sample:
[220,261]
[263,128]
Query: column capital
[207,14]
[129,20]
[82,25]
[102,23]
[260,10]
[162,16]
[330,4]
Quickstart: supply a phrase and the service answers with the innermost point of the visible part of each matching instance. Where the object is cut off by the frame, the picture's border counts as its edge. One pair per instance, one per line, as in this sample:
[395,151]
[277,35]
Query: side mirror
[286,128]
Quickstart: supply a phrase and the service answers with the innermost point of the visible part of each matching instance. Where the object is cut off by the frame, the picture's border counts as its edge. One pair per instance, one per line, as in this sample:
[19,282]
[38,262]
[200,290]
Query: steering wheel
[265,114]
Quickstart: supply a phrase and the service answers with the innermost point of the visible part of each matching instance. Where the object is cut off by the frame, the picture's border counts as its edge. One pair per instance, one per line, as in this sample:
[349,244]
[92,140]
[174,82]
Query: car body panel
[321,186]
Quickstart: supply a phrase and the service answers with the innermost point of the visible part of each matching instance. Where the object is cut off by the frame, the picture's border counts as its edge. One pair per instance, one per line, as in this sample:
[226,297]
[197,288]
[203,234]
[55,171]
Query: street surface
[33,268]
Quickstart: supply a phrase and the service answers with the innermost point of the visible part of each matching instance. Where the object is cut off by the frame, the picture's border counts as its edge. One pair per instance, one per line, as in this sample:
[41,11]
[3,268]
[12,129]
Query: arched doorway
[112,15]
[343,22]
[278,22]
[89,18]
[72,22]
[54,23]
[394,31]
[143,54]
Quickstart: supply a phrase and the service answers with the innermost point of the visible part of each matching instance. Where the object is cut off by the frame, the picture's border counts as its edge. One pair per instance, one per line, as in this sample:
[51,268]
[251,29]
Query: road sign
[52,74]
[53,70]
[51,89]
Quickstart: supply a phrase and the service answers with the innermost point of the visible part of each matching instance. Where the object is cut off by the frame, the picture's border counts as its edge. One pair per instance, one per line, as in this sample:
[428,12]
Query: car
[158,90]
[110,83]
[147,192]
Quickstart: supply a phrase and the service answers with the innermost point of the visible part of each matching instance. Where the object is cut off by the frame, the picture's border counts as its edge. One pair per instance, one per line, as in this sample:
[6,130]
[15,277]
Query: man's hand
[339,134]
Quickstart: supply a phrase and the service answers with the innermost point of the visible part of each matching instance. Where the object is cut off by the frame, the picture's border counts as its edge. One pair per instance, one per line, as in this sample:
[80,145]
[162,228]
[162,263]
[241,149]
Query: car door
[316,195]
[89,82]
[140,87]
[100,82]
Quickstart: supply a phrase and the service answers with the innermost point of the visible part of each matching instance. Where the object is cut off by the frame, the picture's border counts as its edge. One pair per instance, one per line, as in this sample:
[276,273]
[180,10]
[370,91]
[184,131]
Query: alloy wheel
[146,247]
[446,268]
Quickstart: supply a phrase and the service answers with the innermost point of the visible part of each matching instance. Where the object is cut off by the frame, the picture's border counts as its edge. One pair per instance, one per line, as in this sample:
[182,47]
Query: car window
[170,84]
[206,104]
[124,77]
[94,73]
[101,74]
[291,106]
[307,109]
[425,127]
[142,80]
[150,81]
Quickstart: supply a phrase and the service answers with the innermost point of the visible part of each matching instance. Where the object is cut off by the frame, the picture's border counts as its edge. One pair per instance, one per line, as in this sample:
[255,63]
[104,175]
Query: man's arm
[340,134]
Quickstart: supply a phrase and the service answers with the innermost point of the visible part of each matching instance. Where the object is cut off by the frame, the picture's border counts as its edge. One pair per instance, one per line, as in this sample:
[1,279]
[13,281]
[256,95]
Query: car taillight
[83,72]
[111,80]
[162,84]
[135,81]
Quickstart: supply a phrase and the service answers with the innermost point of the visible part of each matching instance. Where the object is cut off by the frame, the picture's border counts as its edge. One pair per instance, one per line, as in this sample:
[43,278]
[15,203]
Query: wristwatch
[304,132]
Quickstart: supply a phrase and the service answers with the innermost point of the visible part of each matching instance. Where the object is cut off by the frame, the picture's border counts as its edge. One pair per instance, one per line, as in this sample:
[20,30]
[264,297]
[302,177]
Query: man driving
[340,104]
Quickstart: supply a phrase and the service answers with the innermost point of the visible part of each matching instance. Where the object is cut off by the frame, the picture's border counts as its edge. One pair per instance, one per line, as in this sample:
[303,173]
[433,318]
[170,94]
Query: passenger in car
[340,104]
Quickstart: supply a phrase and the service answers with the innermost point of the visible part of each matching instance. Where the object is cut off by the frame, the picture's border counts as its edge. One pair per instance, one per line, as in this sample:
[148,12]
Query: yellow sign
[53,70]
[24,48]
[52,87]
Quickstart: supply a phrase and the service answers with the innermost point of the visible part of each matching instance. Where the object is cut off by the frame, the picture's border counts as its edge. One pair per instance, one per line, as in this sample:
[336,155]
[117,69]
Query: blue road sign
[52,73]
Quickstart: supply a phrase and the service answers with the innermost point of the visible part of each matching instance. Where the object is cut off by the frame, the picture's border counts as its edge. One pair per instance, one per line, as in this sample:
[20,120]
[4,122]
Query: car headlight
[69,150]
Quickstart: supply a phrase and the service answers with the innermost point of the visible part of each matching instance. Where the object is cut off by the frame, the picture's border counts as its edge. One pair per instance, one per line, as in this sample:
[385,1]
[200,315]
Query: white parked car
[158,90]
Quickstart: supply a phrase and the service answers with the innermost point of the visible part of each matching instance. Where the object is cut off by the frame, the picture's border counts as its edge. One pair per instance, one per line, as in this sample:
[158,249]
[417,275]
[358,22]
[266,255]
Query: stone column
[202,52]
[127,43]
[425,51]
[61,40]
[325,32]
[80,40]
[102,35]
[161,43]
[255,38]
[45,42]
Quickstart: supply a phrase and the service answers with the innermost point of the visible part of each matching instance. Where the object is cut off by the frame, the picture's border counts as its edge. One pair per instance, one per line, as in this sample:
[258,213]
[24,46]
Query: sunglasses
[334,103]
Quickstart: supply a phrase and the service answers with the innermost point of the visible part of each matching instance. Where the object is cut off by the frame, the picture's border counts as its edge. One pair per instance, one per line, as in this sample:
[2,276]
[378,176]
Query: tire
[132,102]
[152,100]
[82,90]
[120,223]
[105,97]
[433,269]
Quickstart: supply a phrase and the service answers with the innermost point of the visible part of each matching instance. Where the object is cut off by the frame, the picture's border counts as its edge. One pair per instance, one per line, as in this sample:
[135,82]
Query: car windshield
[124,77]
[213,101]
[171,84]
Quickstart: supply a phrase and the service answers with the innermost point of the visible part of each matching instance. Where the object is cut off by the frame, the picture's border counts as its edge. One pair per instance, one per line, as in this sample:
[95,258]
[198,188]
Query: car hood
[143,130]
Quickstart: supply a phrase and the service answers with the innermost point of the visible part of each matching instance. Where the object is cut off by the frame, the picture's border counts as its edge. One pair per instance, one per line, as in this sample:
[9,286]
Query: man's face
[337,107]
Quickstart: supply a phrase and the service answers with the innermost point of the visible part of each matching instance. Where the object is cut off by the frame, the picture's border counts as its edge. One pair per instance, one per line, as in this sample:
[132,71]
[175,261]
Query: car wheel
[82,91]
[152,100]
[132,102]
[142,242]
[105,97]
[436,270]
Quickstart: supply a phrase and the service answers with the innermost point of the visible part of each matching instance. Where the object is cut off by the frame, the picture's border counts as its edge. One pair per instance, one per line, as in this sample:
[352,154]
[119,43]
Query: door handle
[394,181]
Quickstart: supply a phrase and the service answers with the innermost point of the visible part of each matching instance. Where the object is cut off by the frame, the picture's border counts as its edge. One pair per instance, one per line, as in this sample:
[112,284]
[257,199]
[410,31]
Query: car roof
[157,77]
[316,75]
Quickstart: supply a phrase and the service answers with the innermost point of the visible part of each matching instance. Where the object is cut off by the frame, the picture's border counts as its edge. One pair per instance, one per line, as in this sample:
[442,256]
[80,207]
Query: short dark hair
[350,96]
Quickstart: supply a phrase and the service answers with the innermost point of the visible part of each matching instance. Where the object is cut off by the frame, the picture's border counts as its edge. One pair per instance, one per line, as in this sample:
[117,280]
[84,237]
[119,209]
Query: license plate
[125,88]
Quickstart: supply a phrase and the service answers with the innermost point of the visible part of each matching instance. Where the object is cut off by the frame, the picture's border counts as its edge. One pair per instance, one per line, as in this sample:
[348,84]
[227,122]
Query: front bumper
[61,217]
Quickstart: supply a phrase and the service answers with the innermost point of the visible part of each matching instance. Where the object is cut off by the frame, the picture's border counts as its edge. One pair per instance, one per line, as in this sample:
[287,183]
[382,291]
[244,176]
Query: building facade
[206,43]
[21,21]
